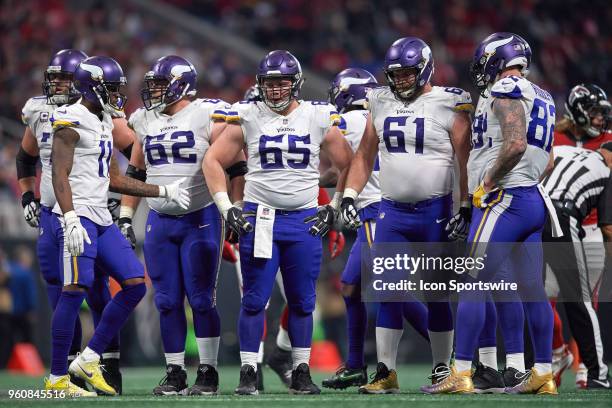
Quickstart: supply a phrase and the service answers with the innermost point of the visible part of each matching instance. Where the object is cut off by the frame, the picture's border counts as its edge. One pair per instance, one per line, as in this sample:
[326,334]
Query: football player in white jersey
[83,171]
[504,307]
[515,131]
[182,246]
[417,128]
[58,89]
[348,94]
[283,137]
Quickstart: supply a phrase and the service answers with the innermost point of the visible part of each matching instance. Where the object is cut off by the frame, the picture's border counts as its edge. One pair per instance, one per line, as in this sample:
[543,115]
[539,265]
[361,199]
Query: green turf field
[138,383]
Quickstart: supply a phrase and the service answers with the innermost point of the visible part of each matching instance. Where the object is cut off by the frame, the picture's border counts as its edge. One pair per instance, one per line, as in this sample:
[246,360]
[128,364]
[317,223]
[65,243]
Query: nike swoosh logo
[90,375]
[203,226]
[603,383]
[439,220]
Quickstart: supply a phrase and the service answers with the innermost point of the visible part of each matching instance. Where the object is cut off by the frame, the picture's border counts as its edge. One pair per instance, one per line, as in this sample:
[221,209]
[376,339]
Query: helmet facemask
[278,91]
[154,92]
[406,82]
[110,96]
[58,87]
[159,93]
[598,119]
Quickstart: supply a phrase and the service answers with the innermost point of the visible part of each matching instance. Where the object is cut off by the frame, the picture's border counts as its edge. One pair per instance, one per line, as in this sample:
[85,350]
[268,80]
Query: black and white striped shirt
[582,177]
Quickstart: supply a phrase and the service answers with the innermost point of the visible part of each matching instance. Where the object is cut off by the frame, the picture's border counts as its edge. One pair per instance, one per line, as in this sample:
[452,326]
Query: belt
[568,208]
[416,205]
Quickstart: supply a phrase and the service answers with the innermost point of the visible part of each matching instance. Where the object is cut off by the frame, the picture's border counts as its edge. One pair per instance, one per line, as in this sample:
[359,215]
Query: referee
[580,181]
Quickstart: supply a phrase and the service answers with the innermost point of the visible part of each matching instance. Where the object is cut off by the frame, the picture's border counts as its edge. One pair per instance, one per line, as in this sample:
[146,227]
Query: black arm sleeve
[127,152]
[604,206]
[136,173]
[26,164]
[237,169]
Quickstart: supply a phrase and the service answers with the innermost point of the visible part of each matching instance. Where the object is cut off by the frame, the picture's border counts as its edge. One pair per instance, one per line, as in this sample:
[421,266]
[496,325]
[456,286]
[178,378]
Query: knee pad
[135,293]
[202,302]
[165,303]
[303,306]
[253,304]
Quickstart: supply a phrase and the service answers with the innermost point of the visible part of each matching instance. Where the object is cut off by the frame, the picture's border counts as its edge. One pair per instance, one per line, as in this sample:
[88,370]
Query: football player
[182,246]
[417,128]
[83,171]
[283,137]
[347,93]
[587,124]
[59,89]
[503,307]
[279,359]
[517,136]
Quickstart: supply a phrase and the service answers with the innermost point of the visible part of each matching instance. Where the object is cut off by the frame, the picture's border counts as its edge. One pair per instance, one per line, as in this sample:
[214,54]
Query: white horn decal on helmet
[178,70]
[96,72]
[346,82]
[492,46]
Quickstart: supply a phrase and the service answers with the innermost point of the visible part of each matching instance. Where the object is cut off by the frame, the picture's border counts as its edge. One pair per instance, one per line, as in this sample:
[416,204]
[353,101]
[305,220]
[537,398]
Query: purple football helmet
[170,79]
[496,53]
[58,85]
[279,65]
[99,80]
[408,53]
[348,89]
[252,94]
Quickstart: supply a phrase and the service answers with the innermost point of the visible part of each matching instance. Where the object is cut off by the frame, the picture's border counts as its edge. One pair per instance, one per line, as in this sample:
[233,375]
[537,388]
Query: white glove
[174,193]
[31,209]
[75,235]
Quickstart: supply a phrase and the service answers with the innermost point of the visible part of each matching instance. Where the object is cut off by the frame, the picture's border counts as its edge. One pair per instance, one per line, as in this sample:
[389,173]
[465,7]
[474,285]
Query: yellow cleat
[535,384]
[455,383]
[384,382]
[65,388]
[91,372]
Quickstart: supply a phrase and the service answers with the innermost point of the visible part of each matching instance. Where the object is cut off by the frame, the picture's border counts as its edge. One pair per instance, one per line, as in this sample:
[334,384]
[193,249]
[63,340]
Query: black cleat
[487,380]
[248,381]
[260,382]
[596,384]
[512,377]
[112,375]
[439,373]
[174,383]
[281,362]
[207,382]
[347,377]
[301,382]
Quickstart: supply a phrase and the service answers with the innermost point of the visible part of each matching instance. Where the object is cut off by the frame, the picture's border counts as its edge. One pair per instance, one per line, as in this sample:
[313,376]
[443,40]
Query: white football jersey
[36,114]
[352,125]
[89,178]
[416,154]
[539,109]
[283,152]
[173,148]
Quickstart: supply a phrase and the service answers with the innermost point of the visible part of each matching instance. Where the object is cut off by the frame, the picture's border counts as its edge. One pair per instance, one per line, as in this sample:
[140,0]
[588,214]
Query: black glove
[231,236]
[349,213]
[324,220]
[113,206]
[125,226]
[237,222]
[31,208]
[459,226]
